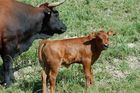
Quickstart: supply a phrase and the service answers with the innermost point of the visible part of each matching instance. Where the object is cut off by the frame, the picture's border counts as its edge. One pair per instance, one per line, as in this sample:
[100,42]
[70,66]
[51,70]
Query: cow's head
[102,39]
[51,22]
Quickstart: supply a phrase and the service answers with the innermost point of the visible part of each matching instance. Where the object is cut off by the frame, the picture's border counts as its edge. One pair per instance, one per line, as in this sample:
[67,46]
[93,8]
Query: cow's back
[5,5]
[13,13]
[19,22]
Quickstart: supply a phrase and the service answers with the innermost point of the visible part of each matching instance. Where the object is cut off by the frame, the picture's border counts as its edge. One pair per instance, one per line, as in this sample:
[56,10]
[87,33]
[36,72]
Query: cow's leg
[44,86]
[88,73]
[7,67]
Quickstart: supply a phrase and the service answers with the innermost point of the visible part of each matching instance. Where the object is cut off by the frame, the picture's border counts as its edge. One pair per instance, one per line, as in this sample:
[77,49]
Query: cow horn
[56,3]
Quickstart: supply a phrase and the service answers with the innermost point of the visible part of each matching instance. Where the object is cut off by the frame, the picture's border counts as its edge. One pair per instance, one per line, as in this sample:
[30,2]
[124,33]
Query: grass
[118,68]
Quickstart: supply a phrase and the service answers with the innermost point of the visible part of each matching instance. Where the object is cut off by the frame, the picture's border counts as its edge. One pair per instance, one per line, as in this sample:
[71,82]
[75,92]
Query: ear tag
[49,13]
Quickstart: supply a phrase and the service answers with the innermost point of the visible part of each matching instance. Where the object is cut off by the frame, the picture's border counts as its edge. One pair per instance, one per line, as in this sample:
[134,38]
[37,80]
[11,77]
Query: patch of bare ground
[133,62]
[26,72]
[131,45]
[134,45]
[117,74]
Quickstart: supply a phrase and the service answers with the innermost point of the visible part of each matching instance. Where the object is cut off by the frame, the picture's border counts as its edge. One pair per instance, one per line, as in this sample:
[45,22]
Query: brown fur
[84,50]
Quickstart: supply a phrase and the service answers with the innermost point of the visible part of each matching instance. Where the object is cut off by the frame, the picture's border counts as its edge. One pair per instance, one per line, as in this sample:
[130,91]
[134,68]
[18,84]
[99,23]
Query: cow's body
[84,50]
[18,27]
[20,24]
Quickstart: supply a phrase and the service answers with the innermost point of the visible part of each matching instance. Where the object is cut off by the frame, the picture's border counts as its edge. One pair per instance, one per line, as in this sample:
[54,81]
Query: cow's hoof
[4,84]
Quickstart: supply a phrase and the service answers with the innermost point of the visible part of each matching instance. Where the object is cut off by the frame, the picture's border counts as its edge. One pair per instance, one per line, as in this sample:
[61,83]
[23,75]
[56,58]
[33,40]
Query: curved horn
[56,3]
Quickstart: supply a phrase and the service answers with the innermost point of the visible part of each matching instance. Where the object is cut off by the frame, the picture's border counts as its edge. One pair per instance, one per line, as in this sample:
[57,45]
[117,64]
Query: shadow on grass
[16,68]
[65,77]
[68,77]
[33,86]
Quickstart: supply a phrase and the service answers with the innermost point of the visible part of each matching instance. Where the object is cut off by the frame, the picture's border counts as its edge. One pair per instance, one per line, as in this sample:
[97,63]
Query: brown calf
[84,50]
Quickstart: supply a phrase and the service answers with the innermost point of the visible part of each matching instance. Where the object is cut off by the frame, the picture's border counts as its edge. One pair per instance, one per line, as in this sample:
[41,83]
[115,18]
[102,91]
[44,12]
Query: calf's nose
[106,45]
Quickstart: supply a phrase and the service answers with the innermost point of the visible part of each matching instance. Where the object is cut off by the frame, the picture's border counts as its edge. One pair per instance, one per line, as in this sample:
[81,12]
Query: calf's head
[102,39]
[51,22]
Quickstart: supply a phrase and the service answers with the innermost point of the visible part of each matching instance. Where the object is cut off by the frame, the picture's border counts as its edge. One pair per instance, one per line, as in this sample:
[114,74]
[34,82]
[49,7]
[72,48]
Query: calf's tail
[41,45]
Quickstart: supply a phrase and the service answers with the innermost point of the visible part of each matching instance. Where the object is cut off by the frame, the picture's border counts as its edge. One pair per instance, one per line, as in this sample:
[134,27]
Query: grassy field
[118,68]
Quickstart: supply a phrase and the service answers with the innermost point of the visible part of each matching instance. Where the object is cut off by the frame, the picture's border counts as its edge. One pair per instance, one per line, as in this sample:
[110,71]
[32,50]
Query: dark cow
[20,24]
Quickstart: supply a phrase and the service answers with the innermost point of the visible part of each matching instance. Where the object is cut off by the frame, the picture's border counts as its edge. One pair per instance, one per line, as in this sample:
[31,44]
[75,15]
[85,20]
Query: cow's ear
[47,12]
[111,33]
[45,5]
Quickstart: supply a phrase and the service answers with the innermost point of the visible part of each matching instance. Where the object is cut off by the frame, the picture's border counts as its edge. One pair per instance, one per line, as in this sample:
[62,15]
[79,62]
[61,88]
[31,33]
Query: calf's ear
[111,33]
[92,35]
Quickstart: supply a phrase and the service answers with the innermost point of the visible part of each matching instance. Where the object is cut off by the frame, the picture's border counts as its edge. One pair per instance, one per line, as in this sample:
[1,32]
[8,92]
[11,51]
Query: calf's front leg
[88,73]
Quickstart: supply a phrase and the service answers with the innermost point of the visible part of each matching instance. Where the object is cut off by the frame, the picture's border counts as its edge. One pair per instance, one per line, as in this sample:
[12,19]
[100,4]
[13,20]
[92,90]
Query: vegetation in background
[118,68]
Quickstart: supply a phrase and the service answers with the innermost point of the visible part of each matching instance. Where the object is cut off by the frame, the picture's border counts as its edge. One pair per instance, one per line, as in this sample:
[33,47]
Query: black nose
[106,45]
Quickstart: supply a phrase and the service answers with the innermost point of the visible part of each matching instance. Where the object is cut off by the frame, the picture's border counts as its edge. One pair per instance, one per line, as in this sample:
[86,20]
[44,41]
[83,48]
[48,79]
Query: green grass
[118,68]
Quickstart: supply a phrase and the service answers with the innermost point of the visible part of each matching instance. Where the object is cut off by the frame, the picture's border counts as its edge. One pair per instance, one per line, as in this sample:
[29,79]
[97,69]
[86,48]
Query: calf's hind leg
[52,77]
[44,86]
